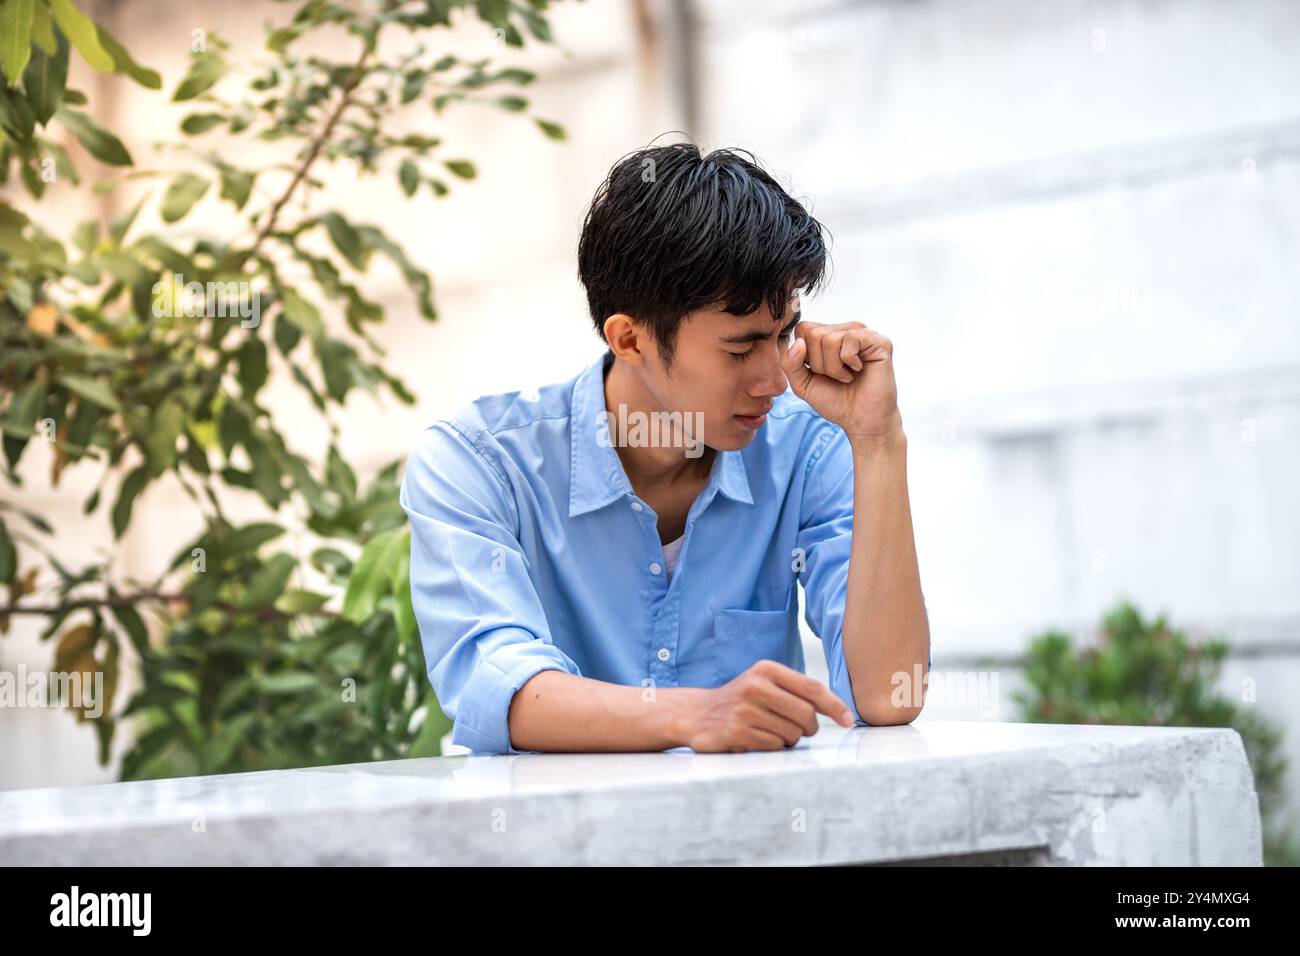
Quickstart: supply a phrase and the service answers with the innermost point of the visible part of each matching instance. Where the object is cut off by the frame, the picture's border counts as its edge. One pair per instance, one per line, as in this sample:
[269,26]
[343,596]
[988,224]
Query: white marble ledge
[963,791]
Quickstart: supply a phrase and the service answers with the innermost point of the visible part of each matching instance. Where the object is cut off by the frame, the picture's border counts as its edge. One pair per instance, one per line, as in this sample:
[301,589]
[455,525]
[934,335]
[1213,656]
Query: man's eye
[785,338]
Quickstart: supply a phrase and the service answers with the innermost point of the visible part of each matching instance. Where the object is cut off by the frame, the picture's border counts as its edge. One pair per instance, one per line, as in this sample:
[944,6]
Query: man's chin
[735,442]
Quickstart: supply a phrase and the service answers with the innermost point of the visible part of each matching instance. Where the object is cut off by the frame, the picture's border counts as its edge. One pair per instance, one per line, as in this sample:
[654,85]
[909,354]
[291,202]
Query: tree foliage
[1144,672]
[288,641]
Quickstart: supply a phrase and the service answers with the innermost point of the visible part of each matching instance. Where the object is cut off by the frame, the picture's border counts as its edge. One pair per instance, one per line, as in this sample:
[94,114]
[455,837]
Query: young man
[612,563]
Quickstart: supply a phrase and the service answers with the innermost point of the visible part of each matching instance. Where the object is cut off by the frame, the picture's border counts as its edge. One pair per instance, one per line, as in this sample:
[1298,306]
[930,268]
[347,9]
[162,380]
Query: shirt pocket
[742,637]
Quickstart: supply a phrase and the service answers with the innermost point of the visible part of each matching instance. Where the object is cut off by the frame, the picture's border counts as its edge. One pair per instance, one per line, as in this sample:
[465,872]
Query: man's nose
[773,381]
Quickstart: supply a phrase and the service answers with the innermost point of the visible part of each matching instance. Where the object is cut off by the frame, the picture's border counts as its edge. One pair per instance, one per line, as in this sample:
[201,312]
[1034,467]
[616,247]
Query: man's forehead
[715,318]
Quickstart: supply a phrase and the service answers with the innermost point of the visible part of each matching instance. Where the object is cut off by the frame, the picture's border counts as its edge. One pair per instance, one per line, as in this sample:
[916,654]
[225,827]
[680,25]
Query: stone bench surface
[933,791]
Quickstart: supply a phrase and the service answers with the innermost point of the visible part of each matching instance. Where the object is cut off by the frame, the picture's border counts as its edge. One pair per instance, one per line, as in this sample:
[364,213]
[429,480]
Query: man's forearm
[558,711]
[885,626]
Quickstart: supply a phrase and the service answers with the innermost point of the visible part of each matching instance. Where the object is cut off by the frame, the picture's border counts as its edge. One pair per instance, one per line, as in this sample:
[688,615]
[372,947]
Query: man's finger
[815,692]
[833,366]
[790,706]
[849,349]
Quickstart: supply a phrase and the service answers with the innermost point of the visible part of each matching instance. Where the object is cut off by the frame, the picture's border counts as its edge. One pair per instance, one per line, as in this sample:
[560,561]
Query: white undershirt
[671,551]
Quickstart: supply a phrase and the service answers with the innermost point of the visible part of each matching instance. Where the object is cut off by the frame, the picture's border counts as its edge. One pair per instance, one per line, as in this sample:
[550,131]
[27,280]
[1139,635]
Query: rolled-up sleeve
[482,625]
[825,543]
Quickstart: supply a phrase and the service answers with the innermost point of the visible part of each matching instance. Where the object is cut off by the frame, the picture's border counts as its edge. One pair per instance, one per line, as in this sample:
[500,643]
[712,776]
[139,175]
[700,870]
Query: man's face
[724,367]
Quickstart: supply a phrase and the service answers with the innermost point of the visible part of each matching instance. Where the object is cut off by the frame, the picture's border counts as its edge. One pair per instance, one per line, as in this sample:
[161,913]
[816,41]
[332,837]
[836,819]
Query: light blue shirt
[530,551]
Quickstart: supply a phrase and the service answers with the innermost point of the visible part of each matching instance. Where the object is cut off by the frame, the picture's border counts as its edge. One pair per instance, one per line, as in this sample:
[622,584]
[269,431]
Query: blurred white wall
[1075,220]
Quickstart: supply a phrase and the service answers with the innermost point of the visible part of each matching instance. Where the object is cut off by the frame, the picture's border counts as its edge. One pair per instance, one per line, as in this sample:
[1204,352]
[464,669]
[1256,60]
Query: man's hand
[768,707]
[846,373]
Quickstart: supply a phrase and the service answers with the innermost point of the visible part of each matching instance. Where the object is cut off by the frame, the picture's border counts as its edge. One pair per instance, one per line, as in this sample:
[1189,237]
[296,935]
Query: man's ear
[626,338]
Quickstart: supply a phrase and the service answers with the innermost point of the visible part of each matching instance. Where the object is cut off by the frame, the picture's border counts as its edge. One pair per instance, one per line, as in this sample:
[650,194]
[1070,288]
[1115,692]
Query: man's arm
[559,711]
[871,615]
[886,629]
[482,624]
[768,707]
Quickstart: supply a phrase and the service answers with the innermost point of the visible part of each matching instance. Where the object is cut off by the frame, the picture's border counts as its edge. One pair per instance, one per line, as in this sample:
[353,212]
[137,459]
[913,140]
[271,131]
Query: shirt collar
[597,472]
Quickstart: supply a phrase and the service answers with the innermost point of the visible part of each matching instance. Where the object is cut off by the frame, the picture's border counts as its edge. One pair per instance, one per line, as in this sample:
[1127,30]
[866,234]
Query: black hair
[671,231]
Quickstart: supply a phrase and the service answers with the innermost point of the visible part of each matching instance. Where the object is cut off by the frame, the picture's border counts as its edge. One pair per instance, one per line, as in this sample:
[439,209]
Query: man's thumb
[792,365]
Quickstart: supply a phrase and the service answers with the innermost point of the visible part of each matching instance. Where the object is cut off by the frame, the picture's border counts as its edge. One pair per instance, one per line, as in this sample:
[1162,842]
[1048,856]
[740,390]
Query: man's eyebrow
[747,337]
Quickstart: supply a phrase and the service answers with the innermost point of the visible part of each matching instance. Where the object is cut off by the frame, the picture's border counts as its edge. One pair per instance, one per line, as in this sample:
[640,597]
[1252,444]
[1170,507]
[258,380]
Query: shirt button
[663,654]
[655,568]
[636,506]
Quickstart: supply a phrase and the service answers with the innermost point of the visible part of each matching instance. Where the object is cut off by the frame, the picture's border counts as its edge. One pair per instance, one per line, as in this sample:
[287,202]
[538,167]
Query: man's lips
[757,414]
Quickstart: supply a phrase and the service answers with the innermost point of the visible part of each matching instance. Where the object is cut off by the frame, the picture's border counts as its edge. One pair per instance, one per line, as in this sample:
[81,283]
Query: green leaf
[409,176]
[123,63]
[132,485]
[252,366]
[303,314]
[39,522]
[336,362]
[287,335]
[91,389]
[86,235]
[185,190]
[204,72]
[403,611]
[15,37]
[300,601]
[125,268]
[339,474]
[101,144]
[43,30]
[236,184]
[251,537]
[331,561]
[81,33]
[517,76]
[8,556]
[26,406]
[346,239]
[373,575]
[553,130]
[160,443]
[279,40]
[267,477]
[290,682]
[462,168]
[514,104]
[197,123]
[416,278]
[269,581]
[413,85]
[133,624]
[45,78]
[536,23]
[221,745]
[428,742]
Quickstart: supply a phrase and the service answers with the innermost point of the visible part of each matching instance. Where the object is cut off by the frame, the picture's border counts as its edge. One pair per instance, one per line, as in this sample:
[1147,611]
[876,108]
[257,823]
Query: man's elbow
[886,712]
